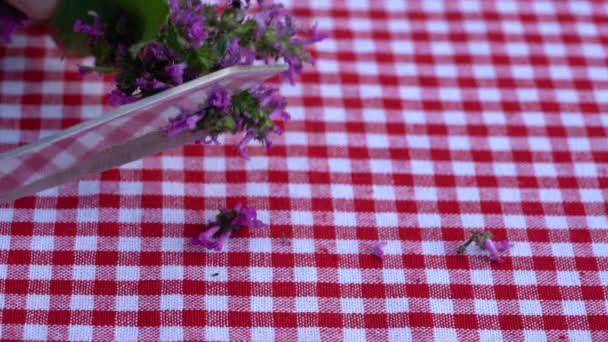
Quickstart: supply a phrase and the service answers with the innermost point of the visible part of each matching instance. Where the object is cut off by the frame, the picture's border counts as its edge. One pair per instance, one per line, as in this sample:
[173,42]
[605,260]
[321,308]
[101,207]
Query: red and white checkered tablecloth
[422,120]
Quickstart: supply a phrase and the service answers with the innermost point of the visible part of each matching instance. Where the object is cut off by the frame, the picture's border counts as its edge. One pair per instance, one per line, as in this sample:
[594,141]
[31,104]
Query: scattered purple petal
[503,246]
[243,143]
[226,223]
[484,241]
[378,249]
[489,246]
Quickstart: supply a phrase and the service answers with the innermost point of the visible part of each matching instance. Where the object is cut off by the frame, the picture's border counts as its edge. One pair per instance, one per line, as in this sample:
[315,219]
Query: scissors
[129,133]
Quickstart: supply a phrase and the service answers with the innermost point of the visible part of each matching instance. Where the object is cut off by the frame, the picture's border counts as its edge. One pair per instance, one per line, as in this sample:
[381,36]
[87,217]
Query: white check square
[352,305]
[486,307]
[171,334]
[349,276]
[38,302]
[80,333]
[307,304]
[305,274]
[530,308]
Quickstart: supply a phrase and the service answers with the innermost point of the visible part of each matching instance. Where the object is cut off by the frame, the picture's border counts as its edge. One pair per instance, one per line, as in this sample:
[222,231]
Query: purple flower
[243,143]
[197,33]
[235,54]
[92,30]
[226,223]
[378,249]
[315,36]
[220,99]
[280,114]
[148,83]
[176,72]
[184,16]
[484,241]
[295,67]
[118,98]
[275,15]
[10,19]
[181,123]
[503,246]
[489,246]
[248,218]
[156,52]
[221,240]
[189,19]
[206,238]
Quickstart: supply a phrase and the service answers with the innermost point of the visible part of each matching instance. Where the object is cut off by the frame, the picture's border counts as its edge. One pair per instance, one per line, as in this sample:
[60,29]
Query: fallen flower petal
[489,246]
[503,245]
[226,223]
[484,241]
[378,249]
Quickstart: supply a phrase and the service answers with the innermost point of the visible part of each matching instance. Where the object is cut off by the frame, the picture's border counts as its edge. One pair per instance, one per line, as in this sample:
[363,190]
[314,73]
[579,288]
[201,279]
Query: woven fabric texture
[421,121]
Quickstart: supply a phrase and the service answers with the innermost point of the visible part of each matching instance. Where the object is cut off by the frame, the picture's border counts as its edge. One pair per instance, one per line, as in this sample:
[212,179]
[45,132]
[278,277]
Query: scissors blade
[127,134]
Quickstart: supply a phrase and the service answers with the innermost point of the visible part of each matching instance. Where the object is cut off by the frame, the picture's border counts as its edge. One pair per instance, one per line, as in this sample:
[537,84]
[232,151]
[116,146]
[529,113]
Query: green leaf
[149,15]
[99,69]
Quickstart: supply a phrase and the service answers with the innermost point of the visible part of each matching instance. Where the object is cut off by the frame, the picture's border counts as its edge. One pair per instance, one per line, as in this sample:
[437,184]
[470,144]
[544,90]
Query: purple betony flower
[503,246]
[243,143]
[206,238]
[189,19]
[94,30]
[295,67]
[226,223]
[236,55]
[275,15]
[118,98]
[315,36]
[197,33]
[182,122]
[280,114]
[484,241]
[148,82]
[156,52]
[378,249]
[176,72]
[219,98]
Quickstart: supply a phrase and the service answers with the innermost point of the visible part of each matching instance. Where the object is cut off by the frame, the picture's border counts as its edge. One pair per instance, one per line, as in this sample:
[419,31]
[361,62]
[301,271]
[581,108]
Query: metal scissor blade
[129,133]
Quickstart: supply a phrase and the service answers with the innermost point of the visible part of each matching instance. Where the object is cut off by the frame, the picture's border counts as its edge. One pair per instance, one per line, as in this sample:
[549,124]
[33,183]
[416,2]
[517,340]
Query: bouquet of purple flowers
[197,39]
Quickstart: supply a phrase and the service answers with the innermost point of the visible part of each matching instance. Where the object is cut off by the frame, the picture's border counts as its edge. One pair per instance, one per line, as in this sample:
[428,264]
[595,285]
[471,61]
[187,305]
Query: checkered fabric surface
[422,121]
